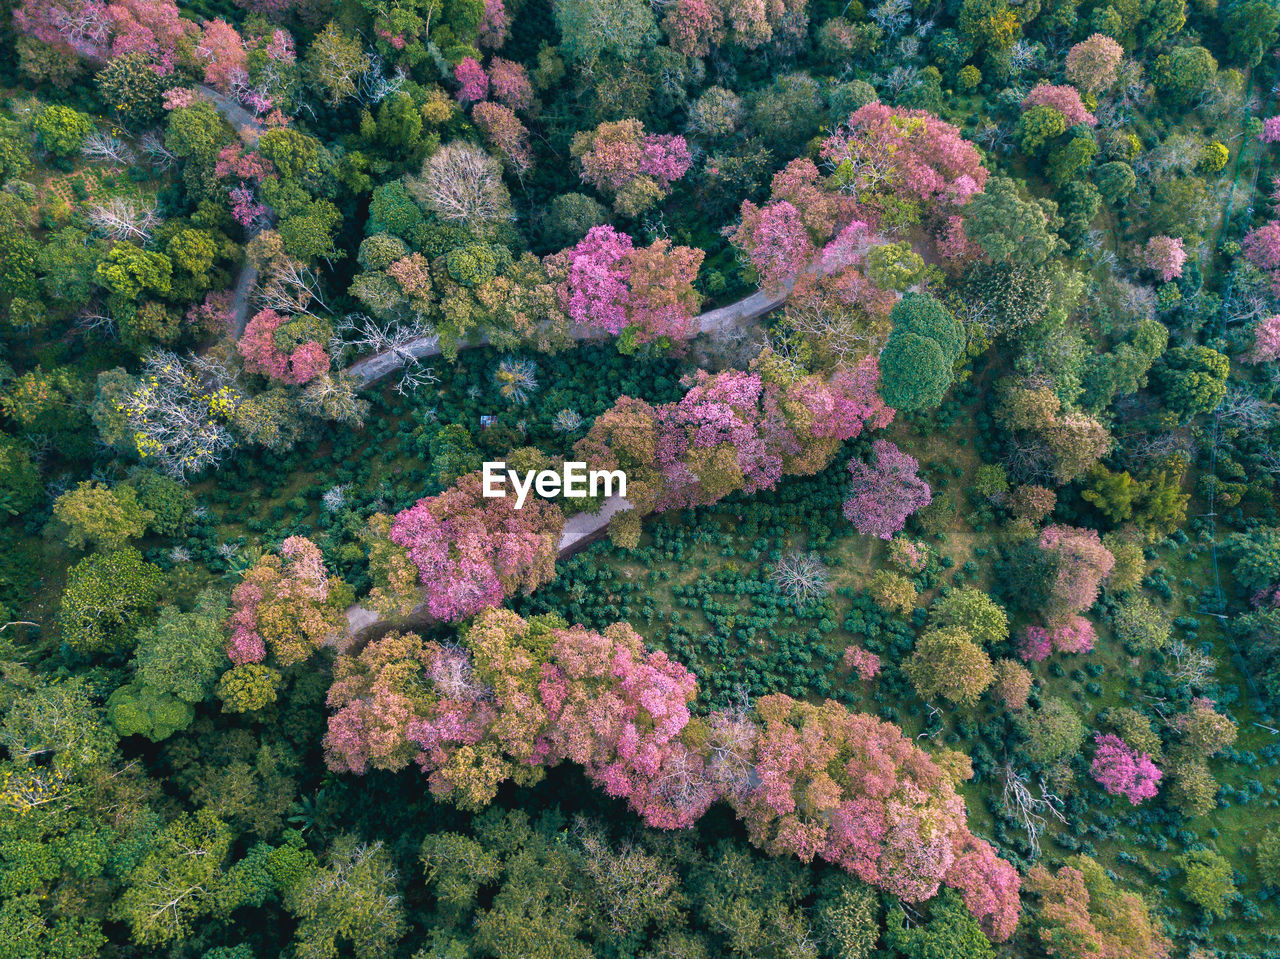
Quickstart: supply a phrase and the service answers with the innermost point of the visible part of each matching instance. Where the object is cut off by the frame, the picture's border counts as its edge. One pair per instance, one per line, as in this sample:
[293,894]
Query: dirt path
[743,312]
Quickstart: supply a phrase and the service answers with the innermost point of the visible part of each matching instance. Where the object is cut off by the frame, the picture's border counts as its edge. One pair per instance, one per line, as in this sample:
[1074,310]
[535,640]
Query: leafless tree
[90,322]
[461,183]
[103,146]
[122,218]
[373,85]
[289,287]
[995,136]
[1030,811]
[334,396]
[1242,409]
[179,412]
[1141,449]
[730,743]
[152,144]
[802,576]
[1191,668]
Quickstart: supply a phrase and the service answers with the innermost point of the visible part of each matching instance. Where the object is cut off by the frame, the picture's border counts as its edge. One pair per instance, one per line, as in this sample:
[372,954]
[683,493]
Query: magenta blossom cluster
[261,354]
[1076,635]
[1065,99]
[1123,771]
[814,781]
[885,491]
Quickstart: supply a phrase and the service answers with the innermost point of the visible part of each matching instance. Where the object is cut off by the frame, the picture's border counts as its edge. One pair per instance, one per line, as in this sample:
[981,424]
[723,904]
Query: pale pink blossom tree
[885,491]
[1124,771]
[1165,256]
[1266,341]
[262,355]
[1065,99]
[1092,63]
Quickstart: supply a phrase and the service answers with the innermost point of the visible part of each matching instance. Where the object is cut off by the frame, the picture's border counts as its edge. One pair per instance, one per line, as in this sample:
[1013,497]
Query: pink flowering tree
[509,82]
[96,31]
[693,27]
[885,491]
[225,57]
[861,661]
[1080,563]
[885,157]
[1037,643]
[1266,341]
[632,167]
[503,131]
[1124,771]
[495,25]
[473,82]
[1164,255]
[263,354]
[607,284]
[1270,130]
[287,605]
[517,696]
[1262,249]
[733,431]
[775,242]
[1092,63]
[471,552]
[1065,99]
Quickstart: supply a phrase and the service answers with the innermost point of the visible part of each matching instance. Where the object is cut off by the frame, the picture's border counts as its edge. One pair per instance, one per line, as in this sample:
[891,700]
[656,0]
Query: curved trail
[748,309]
[582,529]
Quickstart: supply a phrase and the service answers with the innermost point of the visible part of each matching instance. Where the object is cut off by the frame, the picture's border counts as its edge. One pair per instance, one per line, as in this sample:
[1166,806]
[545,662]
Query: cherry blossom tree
[503,131]
[510,84]
[473,82]
[224,54]
[263,355]
[775,241]
[634,168]
[1065,99]
[1270,130]
[607,284]
[1075,635]
[1091,63]
[1262,249]
[287,605]
[885,491]
[1164,255]
[1124,771]
[1080,564]
[885,156]
[1266,341]
[472,552]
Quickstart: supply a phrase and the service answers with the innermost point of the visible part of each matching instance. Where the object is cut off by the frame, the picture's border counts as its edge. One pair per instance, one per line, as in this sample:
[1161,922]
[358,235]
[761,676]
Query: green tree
[914,373]
[950,933]
[175,883]
[1053,732]
[1252,28]
[138,710]
[1269,857]
[1208,881]
[56,720]
[171,504]
[19,477]
[1010,229]
[1115,180]
[1183,73]
[248,687]
[1037,126]
[973,611]
[590,28]
[132,90]
[894,266]
[947,662]
[1193,380]
[183,653]
[349,907]
[130,271]
[1071,160]
[107,517]
[62,130]
[106,595]
[15,152]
